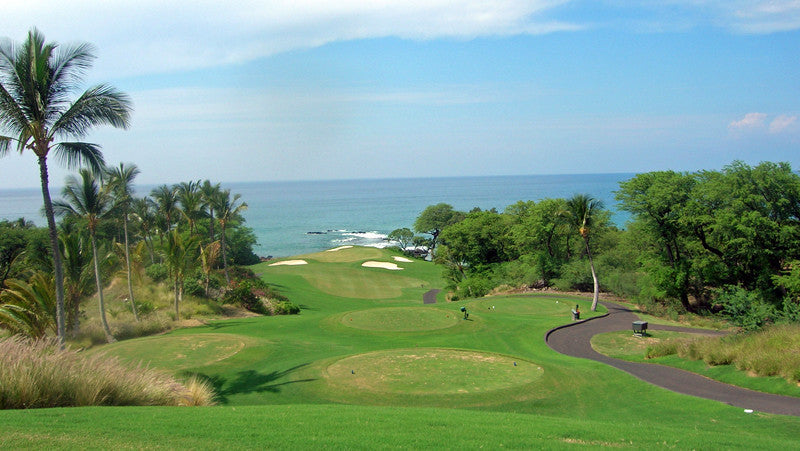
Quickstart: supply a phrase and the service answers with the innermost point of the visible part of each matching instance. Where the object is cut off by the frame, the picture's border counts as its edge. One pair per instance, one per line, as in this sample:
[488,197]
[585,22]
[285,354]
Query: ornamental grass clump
[36,373]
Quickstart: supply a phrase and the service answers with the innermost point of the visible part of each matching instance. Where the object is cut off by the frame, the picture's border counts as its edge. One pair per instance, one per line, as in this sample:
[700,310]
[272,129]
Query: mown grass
[38,374]
[275,393]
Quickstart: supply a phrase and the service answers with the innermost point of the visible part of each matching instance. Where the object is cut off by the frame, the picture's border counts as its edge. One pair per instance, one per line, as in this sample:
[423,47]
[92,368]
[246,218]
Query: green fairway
[367,365]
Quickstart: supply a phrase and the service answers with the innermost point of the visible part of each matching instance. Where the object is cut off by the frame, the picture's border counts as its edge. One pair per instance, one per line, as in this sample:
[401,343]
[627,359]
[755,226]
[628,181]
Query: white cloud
[782,123]
[152,36]
[750,121]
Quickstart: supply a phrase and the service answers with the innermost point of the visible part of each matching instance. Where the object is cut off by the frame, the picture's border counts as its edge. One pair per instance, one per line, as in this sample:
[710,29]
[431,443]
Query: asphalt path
[430,297]
[574,339]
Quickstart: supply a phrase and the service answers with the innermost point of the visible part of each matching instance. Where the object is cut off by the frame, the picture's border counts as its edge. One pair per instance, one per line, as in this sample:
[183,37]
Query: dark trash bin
[640,328]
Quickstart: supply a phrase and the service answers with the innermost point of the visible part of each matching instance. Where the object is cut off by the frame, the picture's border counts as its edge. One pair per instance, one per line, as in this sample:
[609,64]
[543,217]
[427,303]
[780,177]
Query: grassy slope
[274,390]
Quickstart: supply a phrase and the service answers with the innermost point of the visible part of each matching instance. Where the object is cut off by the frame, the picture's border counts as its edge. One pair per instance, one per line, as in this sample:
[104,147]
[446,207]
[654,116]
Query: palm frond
[99,105]
[76,154]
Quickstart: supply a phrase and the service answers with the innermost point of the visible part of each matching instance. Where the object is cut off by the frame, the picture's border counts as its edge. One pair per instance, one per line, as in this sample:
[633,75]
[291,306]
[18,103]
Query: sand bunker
[290,263]
[338,248]
[402,259]
[384,265]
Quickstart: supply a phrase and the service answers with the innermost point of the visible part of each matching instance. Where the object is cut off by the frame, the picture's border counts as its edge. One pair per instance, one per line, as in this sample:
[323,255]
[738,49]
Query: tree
[120,182]
[37,80]
[180,253]
[582,212]
[228,209]
[78,273]
[402,236]
[435,218]
[144,212]
[209,193]
[166,201]
[85,199]
[28,308]
[192,205]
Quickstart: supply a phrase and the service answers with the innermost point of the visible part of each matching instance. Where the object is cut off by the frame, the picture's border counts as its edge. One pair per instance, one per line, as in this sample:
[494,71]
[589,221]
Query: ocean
[293,218]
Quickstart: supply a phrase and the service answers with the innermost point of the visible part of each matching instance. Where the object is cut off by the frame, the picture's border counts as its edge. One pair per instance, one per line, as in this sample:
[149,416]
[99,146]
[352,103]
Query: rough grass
[37,374]
[773,351]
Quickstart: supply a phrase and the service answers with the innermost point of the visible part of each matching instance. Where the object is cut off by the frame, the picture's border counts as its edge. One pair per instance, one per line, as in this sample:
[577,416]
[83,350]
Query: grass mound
[431,371]
[178,351]
[401,319]
[37,374]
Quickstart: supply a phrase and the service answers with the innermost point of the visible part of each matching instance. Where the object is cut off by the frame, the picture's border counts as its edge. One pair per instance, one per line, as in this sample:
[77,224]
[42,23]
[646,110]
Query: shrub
[37,374]
[194,287]
[745,308]
[241,293]
[157,272]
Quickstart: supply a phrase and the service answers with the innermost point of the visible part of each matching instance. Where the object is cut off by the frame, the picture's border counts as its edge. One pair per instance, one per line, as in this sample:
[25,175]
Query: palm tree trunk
[128,267]
[224,256]
[177,299]
[58,269]
[106,329]
[596,295]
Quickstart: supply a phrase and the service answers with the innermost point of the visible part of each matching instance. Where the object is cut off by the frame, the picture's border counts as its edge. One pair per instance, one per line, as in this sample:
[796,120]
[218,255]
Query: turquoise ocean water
[292,218]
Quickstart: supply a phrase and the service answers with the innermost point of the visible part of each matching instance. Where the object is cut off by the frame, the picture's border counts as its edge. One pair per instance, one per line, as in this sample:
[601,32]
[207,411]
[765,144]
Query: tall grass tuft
[36,373]
[772,351]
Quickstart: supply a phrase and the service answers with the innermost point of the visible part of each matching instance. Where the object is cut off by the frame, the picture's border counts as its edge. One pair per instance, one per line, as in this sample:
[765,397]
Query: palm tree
[227,211]
[582,210]
[166,201]
[37,80]
[28,308]
[209,255]
[192,204]
[210,192]
[120,181]
[86,199]
[179,255]
[78,283]
[144,212]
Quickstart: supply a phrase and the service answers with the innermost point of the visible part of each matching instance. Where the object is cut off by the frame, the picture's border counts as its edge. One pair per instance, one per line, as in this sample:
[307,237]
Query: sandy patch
[402,259]
[290,263]
[338,248]
[384,265]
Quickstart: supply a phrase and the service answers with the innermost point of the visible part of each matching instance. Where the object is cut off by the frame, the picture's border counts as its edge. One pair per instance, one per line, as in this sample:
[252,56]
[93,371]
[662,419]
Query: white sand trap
[402,259]
[338,248]
[384,265]
[290,263]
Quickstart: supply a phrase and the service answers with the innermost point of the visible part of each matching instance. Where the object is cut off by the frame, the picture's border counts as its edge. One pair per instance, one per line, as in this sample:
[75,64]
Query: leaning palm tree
[120,182]
[227,210]
[37,80]
[86,199]
[581,211]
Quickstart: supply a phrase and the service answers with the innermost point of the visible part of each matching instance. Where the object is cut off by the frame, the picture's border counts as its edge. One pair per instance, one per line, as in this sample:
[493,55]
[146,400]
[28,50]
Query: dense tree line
[709,241]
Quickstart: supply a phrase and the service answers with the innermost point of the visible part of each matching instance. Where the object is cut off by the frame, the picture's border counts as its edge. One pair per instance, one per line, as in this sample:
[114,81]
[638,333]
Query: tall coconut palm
[192,206]
[180,254]
[166,201]
[210,192]
[86,199]
[582,211]
[144,212]
[228,209]
[37,81]
[120,182]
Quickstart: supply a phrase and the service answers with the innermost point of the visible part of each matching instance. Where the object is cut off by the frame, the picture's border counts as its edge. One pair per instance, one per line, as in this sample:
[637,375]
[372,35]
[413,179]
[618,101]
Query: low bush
[37,374]
[157,272]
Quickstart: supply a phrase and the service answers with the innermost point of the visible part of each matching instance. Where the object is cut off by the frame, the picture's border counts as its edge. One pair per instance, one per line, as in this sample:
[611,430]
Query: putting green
[525,305]
[401,319]
[431,371]
[178,352]
[346,254]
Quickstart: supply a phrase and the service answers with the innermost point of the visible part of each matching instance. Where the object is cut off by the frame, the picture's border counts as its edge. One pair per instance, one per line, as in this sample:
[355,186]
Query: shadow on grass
[250,381]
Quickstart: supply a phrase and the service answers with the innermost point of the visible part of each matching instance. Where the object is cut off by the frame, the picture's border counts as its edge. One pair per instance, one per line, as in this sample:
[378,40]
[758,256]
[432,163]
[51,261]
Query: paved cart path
[574,340]
[430,297]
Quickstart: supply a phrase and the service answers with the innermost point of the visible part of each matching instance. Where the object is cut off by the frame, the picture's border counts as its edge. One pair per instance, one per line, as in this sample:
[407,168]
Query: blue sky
[284,90]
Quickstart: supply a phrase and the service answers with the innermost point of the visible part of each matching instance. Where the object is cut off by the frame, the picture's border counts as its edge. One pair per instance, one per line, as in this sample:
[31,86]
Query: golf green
[178,351]
[431,371]
[401,319]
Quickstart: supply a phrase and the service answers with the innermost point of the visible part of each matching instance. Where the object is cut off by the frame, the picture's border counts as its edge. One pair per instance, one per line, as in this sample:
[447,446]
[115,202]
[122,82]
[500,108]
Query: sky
[304,90]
